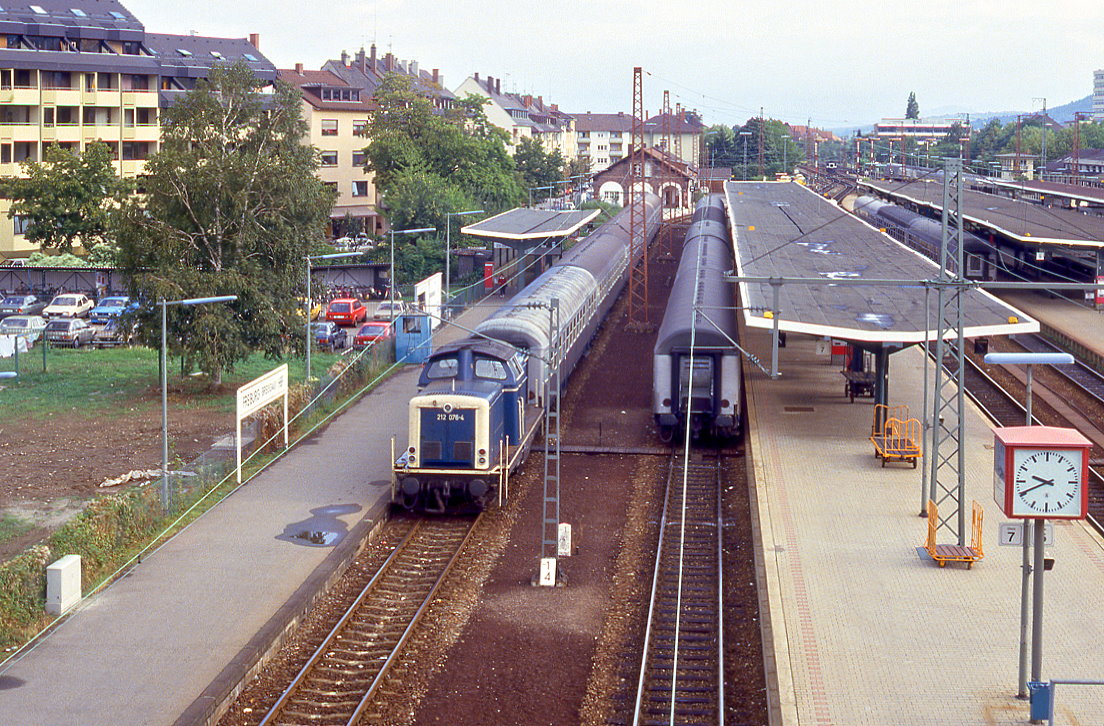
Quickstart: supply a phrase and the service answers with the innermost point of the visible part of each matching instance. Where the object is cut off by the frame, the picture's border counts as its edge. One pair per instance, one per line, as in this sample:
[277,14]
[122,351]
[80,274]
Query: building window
[360,128]
[21,223]
[329,158]
[329,127]
[331,185]
[360,189]
[5,153]
[48,116]
[359,158]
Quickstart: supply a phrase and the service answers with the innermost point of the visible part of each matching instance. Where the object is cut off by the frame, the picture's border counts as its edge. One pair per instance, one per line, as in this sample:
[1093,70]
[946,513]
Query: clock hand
[1031,489]
[1045,481]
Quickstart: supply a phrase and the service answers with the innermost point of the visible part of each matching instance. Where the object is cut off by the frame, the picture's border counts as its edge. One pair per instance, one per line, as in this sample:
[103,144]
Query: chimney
[362,61]
[498,86]
[373,58]
[299,68]
[436,76]
[540,101]
[490,84]
[414,69]
[555,107]
[344,58]
[527,101]
[389,62]
[476,76]
[255,40]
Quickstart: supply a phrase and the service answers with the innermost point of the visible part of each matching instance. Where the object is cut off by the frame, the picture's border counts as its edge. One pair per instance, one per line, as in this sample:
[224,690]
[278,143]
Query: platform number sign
[1039,472]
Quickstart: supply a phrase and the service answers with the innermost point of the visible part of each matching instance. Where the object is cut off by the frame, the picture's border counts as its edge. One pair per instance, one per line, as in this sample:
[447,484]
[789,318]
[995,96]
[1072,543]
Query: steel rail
[364,599]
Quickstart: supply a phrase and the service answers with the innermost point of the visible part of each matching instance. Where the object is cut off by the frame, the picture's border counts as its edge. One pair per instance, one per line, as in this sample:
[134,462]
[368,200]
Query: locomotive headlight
[482,460]
[667,402]
[447,408]
[725,403]
[482,452]
[411,449]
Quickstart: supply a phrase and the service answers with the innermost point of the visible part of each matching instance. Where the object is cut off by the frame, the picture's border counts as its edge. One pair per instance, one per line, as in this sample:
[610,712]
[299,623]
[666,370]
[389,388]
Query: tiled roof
[603,122]
[195,55]
[62,14]
[688,123]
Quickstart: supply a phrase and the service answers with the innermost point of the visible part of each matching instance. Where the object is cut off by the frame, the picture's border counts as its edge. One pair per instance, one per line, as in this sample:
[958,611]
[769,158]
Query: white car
[385,311]
[69,305]
[25,326]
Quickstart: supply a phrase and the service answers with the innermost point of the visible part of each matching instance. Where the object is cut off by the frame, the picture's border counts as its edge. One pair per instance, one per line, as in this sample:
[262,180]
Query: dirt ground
[52,466]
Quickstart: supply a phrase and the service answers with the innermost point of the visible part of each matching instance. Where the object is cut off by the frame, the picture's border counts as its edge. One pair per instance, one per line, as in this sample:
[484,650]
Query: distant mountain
[1062,114]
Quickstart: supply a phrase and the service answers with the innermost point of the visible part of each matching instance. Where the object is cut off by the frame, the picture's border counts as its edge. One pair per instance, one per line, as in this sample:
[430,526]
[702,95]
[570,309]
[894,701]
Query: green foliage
[68,199]
[607,210]
[12,526]
[912,108]
[22,594]
[538,168]
[66,259]
[416,154]
[231,207]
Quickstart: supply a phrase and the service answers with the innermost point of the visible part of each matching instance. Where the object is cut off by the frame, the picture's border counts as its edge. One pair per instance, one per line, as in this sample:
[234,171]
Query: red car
[371,332]
[346,311]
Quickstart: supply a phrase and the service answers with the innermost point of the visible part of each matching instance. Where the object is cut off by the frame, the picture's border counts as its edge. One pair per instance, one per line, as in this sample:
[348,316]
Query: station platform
[860,626]
[165,643]
[1063,319]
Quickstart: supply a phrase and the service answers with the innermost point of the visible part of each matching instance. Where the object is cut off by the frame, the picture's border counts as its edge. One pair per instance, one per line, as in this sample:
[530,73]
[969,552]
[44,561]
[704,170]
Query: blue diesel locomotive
[479,406]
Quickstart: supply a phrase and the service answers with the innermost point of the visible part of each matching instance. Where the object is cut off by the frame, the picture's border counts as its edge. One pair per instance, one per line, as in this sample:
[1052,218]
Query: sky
[839,64]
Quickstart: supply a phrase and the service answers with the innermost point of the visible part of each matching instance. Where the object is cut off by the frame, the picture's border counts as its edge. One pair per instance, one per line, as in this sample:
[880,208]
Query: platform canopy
[523,227]
[1020,220]
[784,230]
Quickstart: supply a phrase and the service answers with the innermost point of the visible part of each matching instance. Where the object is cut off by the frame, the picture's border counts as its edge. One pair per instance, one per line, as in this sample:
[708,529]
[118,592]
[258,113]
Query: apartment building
[337,114]
[80,71]
[686,134]
[602,139]
[523,115]
[366,70]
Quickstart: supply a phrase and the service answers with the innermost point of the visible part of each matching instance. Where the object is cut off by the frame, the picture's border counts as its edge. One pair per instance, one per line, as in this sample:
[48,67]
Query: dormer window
[249,57]
[216,54]
[78,12]
[117,15]
[38,9]
[185,53]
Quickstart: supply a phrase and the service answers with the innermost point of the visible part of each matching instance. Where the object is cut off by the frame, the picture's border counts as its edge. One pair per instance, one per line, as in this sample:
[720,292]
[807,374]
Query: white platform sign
[1012,534]
[563,540]
[547,572]
[254,396]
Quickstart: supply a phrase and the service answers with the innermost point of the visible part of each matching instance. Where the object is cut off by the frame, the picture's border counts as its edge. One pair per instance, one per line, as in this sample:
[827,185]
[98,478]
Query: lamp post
[165,498]
[394,232]
[448,258]
[308,311]
[785,148]
[1028,360]
[745,134]
[537,189]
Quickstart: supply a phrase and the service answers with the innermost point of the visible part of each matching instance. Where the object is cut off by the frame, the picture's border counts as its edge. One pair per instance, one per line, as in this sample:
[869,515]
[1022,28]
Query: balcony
[61,96]
[102,97]
[139,98]
[107,134]
[131,167]
[20,96]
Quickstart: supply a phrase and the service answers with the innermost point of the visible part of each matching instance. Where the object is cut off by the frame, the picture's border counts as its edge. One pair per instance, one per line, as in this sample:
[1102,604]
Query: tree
[68,199]
[231,207]
[912,109]
[537,167]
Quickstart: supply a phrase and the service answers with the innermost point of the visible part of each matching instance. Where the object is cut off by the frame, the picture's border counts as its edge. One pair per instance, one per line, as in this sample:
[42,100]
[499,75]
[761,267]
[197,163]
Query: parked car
[110,308]
[21,305]
[330,335]
[371,332]
[26,326]
[14,262]
[387,310]
[68,305]
[115,333]
[73,332]
[346,310]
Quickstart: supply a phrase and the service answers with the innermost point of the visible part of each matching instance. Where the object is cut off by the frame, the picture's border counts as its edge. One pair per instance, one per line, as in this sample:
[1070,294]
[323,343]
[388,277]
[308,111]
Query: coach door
[699,382]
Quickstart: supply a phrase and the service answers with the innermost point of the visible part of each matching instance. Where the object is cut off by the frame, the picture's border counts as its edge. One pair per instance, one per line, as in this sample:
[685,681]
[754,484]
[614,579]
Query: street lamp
[309,258]
[448,257]
[537,189]
[394,232]
[745,134]
[1028,360]
[785,147]
[165,499]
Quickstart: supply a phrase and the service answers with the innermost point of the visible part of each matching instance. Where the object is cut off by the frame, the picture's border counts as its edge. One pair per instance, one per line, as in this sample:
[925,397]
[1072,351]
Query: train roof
[782,229]
[705,288]
[478,387]
[490,348]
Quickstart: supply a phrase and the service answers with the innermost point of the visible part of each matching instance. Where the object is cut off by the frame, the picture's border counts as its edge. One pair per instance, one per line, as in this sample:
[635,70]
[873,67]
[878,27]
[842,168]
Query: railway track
[340,681]
[1078,374]
[1006,410]
[682,666]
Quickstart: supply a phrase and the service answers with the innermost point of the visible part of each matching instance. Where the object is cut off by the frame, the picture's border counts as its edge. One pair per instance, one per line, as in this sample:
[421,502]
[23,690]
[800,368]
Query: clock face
[1047,483]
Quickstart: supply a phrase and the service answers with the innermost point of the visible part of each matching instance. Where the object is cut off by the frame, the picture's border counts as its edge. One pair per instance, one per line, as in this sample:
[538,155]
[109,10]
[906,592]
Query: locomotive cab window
[443,368]
[491,369]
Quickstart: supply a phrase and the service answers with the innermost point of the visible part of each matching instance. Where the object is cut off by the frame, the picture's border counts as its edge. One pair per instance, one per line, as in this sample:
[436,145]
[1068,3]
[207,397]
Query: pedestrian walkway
[172,637]
[1064,321]
[862,629]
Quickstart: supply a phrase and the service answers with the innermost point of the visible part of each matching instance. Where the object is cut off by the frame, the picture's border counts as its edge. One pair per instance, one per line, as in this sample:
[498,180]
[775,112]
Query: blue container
[1041,695]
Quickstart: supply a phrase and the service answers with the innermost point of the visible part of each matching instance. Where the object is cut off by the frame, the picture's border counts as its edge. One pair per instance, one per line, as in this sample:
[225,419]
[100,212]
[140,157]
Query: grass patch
[12,526]
[94,382]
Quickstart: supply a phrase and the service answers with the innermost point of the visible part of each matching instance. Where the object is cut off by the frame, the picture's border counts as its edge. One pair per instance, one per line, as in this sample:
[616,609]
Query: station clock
[1040,472]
